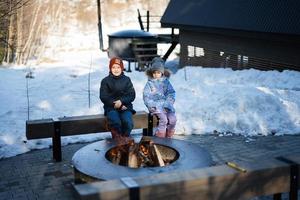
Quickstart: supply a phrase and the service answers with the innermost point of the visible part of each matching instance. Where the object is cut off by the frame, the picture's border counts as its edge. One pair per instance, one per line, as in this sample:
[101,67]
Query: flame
[114,152]
[144,149]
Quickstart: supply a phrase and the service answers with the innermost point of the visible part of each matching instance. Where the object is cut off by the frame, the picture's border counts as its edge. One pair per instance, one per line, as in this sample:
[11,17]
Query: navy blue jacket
[117,88]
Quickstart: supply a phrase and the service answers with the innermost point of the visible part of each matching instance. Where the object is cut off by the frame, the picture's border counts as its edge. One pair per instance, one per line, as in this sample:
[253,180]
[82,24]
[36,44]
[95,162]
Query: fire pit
[105,160]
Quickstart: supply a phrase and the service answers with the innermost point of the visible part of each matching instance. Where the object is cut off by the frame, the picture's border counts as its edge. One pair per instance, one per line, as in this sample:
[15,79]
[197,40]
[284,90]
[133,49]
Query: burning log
[134,161]
[135,155]
[119,155]
[148,147]
[116,156]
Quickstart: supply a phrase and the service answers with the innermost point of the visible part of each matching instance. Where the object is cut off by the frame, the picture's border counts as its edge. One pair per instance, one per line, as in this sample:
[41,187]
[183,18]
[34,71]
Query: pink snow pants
[166,124]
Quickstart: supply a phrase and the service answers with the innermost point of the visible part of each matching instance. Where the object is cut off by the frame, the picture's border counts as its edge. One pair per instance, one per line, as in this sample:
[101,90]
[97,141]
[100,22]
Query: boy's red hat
[117,61]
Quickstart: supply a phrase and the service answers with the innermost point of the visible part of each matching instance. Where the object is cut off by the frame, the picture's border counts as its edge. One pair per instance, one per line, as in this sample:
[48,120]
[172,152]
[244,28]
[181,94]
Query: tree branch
[3,40]
[14,8]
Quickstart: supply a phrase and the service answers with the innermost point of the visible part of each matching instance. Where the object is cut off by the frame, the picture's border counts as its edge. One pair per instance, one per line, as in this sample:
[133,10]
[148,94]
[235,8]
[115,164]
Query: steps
[144,52]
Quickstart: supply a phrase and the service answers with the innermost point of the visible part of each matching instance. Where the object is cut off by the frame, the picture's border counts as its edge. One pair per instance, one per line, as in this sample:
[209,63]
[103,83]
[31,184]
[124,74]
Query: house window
[199,52]
[191,51]
[195,51]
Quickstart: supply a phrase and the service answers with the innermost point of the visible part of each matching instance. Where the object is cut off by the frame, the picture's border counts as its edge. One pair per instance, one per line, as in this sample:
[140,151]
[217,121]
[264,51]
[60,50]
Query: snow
[208,100]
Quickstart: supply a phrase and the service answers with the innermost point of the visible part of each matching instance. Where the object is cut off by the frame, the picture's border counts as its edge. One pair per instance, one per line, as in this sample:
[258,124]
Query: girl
[159,97]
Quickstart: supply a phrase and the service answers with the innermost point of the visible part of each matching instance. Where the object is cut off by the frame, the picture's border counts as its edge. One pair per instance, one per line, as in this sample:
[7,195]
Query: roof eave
[236,33]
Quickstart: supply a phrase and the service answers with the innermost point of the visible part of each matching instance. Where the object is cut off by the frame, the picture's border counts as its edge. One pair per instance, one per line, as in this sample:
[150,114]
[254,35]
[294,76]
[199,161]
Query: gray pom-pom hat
[157,64]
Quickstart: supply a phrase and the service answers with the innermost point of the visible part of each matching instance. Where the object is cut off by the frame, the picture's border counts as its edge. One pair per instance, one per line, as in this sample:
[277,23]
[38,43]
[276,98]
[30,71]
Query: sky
[208,100]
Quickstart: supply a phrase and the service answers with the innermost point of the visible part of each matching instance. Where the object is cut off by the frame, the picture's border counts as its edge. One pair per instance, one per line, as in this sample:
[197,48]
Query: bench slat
[37,129]
[82,125]
[76,125]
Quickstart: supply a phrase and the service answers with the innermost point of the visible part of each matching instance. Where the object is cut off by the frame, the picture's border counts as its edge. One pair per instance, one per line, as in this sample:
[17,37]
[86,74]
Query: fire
[135,155]
[144,150]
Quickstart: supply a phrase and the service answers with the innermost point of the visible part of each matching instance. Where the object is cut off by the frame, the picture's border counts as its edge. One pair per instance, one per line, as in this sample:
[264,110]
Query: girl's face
[157,74]
[116,70]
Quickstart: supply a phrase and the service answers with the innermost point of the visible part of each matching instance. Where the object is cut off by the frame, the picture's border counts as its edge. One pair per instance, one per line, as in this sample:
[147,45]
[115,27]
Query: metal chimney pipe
[100,25]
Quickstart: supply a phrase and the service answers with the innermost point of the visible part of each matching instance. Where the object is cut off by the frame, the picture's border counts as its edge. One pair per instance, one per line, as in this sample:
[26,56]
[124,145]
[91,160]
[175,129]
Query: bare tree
[11,18]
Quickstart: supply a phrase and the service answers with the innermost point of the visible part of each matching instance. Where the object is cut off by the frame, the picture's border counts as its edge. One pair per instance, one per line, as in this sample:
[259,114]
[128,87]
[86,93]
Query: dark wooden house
[237,33]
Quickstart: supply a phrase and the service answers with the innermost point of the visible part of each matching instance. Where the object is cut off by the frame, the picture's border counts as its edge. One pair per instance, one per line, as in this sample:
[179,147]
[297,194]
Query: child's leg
[171,125]
[162,125]
[127,122]
[114,122]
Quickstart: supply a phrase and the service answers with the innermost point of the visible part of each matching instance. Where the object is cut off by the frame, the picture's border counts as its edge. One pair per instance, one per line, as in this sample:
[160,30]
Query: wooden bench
[266,177]
[77,125]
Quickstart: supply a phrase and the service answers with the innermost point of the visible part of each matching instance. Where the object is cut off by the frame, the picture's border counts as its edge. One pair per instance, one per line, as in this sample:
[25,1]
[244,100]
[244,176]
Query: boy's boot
[115,133]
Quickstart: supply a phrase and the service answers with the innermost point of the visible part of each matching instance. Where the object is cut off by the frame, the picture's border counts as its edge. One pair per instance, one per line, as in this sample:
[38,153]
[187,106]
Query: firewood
[133,157]
[158,156]
[116,158]
[168,155]
[146,140]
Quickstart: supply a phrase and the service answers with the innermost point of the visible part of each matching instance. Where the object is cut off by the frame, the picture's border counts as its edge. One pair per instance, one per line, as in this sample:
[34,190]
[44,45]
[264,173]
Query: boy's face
[157,74]
[116,70]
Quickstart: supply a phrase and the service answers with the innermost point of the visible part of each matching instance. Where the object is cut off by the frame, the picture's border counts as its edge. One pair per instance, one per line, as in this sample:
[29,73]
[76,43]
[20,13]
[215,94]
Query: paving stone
[5,195]
[42,178]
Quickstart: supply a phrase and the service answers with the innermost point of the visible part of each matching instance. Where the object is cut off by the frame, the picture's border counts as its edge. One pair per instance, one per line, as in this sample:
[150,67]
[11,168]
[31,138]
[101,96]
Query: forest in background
[11,18]
[40,29]
[26,26]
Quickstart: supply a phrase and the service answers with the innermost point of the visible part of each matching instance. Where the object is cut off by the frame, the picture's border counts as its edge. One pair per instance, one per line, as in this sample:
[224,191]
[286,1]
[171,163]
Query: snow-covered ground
[208,100]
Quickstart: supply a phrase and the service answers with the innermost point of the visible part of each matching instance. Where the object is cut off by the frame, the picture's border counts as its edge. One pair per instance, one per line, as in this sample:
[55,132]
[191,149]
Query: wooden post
[129,66]
[134,190]
[100,25]
[294,177]
[294,182]
[171,48]
[56,142]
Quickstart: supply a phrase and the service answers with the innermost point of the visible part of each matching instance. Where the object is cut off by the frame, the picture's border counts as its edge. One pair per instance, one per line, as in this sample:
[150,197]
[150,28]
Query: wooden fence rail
[263,177]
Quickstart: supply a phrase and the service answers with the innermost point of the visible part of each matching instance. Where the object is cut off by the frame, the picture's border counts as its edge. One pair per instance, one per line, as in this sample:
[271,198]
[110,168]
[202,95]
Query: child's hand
[167,109]
[153,109]
[117,104]
[123,108]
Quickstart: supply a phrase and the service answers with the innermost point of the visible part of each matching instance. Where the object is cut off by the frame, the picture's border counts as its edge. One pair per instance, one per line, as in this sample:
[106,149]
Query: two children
[117,94]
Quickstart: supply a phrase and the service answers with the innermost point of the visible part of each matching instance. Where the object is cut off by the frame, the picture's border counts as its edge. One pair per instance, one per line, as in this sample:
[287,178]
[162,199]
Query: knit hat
[157,64]
[117,61]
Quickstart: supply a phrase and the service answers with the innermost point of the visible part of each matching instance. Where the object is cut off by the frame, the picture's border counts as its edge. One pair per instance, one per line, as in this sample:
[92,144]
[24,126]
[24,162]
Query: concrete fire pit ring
[90,163]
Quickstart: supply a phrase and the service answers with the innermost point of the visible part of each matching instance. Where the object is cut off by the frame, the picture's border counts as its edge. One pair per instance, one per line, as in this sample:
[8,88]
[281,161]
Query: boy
[117,94]
[159,97]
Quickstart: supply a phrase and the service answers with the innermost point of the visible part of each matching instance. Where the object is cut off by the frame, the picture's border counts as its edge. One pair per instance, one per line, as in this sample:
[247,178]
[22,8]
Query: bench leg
[277,196]
[150,125]
[56,142]
[294,182]
[145,132]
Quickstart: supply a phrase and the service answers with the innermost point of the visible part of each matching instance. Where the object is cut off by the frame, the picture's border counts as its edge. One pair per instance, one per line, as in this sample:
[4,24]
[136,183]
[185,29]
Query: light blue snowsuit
[159,97]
